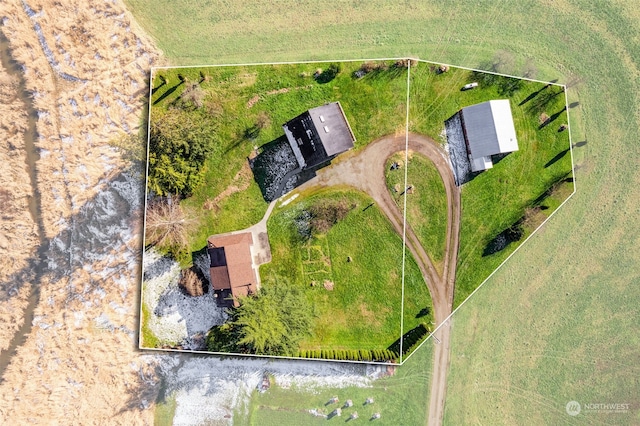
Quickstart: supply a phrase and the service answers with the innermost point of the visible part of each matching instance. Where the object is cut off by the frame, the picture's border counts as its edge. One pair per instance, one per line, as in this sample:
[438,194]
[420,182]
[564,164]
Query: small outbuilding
[488,130]
[231,267]
[319,134]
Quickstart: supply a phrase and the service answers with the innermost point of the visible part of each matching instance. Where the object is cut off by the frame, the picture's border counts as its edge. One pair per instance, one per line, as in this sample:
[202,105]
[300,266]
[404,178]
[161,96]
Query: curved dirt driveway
[365,170]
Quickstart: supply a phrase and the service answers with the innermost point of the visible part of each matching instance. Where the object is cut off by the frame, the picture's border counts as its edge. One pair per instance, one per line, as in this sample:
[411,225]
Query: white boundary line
[144,220]
[446,320]
[494,73]
[573,170]
[404,208]
[321,61]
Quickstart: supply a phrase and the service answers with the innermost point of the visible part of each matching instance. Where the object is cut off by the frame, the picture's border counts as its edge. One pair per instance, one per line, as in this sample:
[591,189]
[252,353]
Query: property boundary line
[144,216]
[404,208]
[448,318]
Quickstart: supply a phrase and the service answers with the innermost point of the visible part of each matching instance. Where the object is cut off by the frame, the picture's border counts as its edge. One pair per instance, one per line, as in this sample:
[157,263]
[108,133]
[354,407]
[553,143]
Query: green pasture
[280,406]
[426,201]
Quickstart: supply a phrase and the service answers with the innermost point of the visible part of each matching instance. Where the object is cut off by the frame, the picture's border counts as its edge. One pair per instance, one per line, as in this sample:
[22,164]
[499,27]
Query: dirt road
[365,170]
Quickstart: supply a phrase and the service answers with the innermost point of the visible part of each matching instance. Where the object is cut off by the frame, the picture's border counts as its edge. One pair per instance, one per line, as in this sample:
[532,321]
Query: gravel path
[364,170]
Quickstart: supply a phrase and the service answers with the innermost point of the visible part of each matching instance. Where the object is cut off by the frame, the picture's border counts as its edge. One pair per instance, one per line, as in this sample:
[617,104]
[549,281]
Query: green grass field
[426,204]
[363,310]
[559,321]
[280,406]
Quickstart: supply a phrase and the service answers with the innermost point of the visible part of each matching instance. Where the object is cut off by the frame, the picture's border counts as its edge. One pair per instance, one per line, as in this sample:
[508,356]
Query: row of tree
[380,355]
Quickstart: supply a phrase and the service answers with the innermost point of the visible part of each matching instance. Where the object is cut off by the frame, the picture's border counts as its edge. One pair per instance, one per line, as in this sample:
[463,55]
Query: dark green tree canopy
[179,144]
[273,322]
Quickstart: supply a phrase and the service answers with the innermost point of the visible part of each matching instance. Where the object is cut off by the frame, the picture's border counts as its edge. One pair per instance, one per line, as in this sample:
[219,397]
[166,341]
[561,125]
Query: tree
[272,322]
[179,144]
[191,98]
[132,147]
[166,224]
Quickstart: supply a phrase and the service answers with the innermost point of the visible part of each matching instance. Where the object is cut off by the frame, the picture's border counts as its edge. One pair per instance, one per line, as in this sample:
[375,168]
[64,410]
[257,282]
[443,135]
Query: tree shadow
[155,89]
[557,158]
[96,234]
[328,74]
[409,339]
[580,144]
[510,235]
[539,103]
[551,119]
[558,180]
[167,93]
[574,104]
[533,95]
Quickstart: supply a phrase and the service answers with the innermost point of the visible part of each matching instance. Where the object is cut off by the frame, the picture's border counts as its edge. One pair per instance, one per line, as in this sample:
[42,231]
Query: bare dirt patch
[328,285]
[240,182]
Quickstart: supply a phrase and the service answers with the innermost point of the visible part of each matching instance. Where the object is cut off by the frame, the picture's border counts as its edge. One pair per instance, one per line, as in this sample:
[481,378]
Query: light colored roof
[489,128]
[238,273]
[481,163]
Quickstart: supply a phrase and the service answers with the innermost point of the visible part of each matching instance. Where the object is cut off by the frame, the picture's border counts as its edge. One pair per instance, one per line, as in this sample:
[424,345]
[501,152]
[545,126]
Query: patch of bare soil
[240,182]
[85,65]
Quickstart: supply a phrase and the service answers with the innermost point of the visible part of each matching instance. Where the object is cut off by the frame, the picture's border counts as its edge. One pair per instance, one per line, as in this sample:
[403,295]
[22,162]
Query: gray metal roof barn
[488,130]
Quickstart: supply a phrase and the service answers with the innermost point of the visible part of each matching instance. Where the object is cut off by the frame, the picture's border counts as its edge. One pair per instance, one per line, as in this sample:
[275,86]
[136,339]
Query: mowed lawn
[248,106]
[426,201]
[518,355]
[398,398]
[364,308]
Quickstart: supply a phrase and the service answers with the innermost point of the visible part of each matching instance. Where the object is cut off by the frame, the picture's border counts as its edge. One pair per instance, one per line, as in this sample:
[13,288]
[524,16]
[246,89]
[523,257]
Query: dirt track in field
[365,170]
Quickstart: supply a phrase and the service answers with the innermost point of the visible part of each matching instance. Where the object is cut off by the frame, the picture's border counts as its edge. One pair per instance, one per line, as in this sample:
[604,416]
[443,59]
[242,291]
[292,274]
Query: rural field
[556,323]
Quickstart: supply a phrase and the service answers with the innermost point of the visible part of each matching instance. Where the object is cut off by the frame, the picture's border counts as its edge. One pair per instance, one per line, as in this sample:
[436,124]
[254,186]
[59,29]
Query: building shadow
[275,169]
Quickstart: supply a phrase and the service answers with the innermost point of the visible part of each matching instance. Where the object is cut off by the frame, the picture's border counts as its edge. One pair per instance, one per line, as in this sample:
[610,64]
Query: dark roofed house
[231,267]
[318,135]
[488,130]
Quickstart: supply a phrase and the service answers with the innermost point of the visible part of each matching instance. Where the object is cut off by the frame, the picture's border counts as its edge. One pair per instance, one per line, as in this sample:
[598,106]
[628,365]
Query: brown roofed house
[231,266]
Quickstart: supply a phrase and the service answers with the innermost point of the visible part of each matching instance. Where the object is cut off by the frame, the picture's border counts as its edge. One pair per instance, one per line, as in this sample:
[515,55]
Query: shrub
[191,282]
[166,224]
[191,98]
